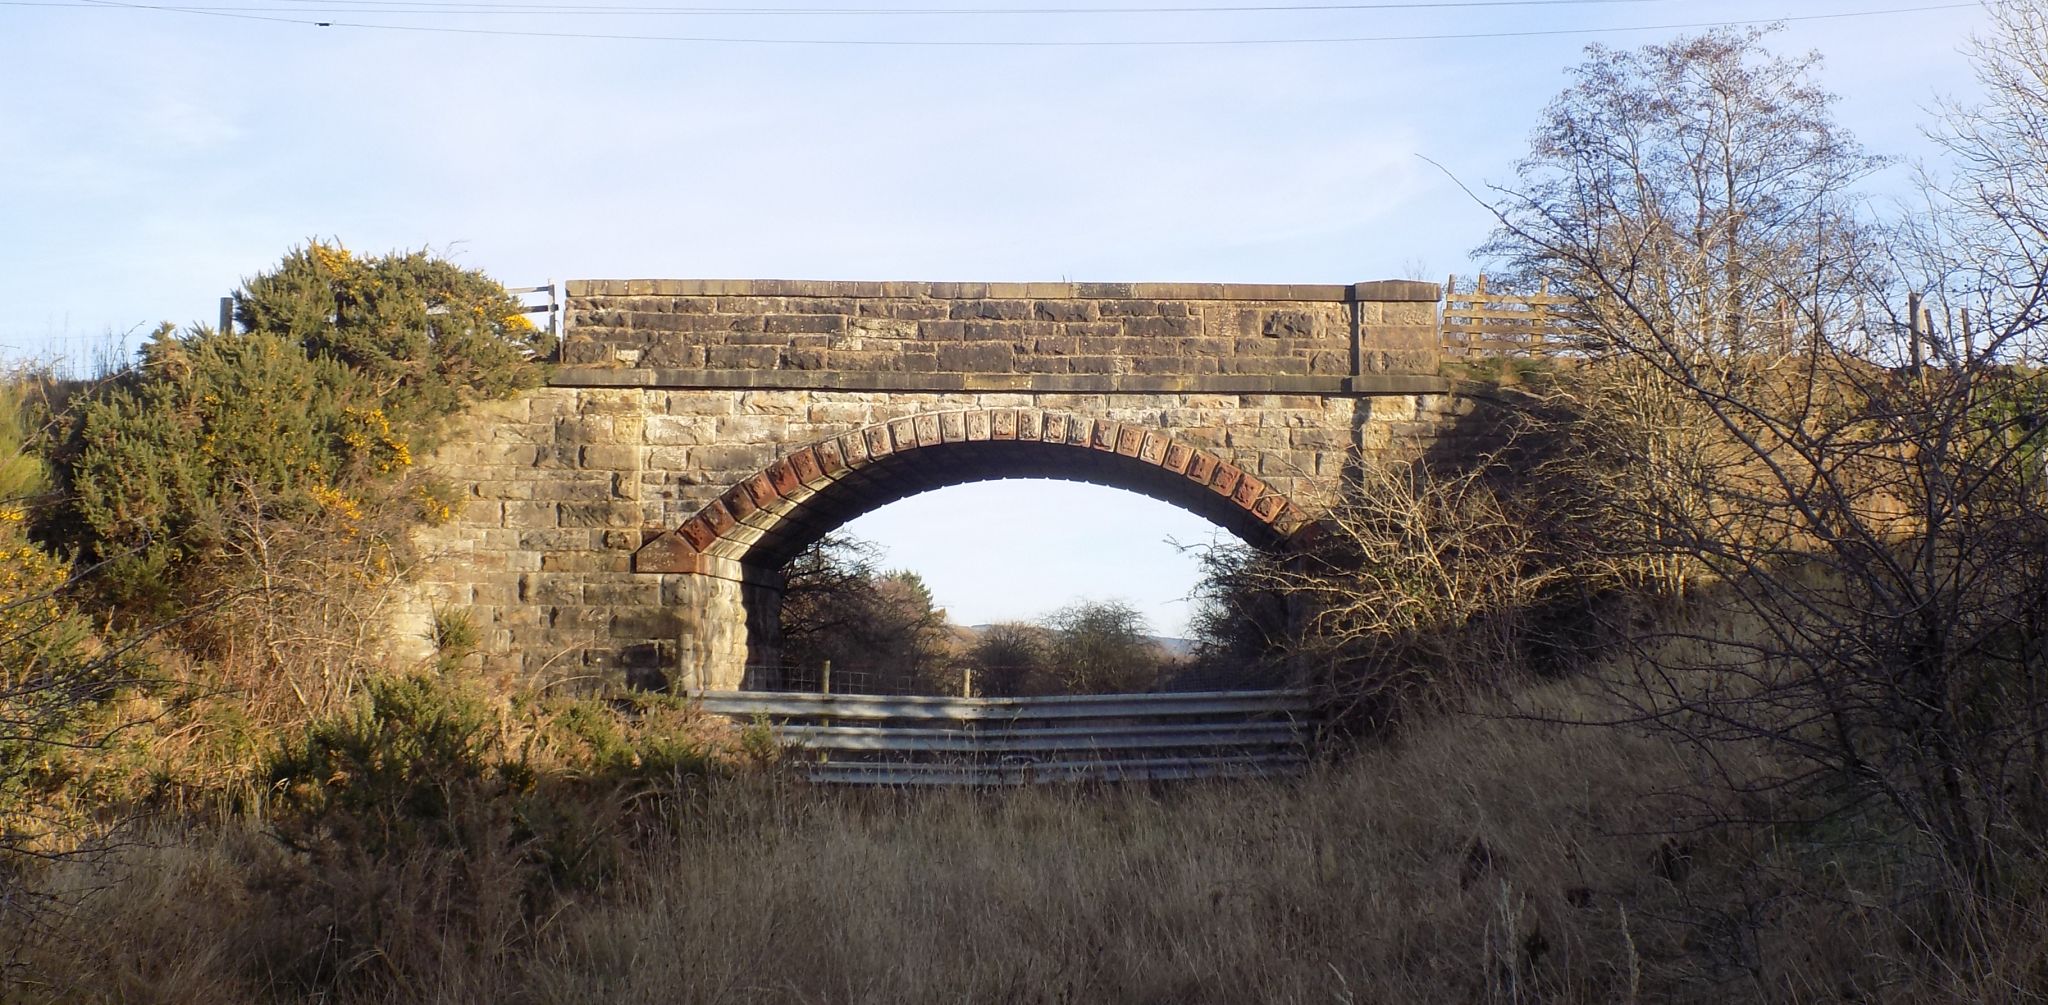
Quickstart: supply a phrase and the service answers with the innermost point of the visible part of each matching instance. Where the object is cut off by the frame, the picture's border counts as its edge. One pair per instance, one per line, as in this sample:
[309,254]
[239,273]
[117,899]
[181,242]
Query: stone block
[647,621]
[664,460]
[1159,327]
[764,429]
[700,403]
[531,515]
[556,539]
[482,513]
[602,514]
[543,589]
[586,562]
[677,430]
[987,357]
[723,457]
[787,323]
[1128,308]
[1064,310]
[609,457]
[645,592]
[839,412]
[993,310]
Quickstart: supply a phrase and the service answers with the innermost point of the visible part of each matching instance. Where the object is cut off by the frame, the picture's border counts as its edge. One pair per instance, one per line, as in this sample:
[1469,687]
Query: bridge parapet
[1053,337]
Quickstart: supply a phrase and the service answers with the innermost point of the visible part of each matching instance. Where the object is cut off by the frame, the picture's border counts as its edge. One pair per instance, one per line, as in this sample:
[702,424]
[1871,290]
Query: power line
[1006,43]
[521,8]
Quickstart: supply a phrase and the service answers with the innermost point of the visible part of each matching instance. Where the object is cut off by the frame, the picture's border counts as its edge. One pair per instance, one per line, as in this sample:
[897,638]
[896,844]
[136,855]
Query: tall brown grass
[1476,859]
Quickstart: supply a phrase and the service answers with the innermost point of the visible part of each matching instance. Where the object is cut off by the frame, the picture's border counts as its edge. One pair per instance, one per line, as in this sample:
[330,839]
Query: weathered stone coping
[1362,385]
[1395,290]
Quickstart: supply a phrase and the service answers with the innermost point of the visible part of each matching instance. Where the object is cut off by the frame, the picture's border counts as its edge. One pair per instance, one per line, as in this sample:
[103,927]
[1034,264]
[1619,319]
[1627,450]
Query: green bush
[346,369]
[393,770]
[428,333]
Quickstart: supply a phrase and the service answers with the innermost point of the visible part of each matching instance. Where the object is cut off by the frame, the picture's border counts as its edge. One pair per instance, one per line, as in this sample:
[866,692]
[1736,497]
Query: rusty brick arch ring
[769,517]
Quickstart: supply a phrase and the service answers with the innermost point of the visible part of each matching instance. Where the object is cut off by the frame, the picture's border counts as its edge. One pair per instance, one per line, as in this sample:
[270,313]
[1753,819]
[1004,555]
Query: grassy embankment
[1476,859]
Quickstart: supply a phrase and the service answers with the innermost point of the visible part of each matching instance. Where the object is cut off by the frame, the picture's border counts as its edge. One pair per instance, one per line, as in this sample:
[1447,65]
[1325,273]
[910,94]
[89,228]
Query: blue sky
[150,158]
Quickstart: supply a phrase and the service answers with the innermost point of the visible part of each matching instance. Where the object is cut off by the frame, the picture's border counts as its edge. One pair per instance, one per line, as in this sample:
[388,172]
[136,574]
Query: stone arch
[722,566]
[766,519]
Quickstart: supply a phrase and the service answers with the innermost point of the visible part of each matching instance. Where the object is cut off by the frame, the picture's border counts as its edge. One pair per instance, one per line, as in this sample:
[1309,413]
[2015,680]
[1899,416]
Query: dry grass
[1478,860]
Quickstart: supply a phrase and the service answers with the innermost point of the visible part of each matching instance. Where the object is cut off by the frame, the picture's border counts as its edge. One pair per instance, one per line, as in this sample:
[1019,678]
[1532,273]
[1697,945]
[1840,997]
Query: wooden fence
[1481,322]
[890,740]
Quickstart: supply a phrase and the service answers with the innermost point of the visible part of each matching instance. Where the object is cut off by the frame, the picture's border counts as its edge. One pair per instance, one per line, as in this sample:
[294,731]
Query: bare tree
[1868,533]
[1102,646]
[1012,658]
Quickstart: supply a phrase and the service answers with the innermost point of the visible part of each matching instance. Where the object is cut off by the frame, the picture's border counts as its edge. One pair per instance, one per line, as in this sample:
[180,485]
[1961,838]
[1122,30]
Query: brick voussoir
[719,517]
[1178,455]
[1105,434]
[739,503]
[783,477]
[762,489]
[1128,440]
[1249,489]
[1269,507]
[758,507]
[878,442]
[1227,476]
[902,434]
[1153,450]
[697,530]
[853,449]
[808,470]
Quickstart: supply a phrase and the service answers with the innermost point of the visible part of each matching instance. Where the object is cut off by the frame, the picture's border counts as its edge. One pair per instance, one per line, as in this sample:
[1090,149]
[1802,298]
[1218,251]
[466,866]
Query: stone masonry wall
[670,393]
[988,336]
[565,483]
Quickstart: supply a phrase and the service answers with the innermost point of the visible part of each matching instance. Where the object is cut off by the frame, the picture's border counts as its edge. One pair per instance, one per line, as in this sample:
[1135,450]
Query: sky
[151,157]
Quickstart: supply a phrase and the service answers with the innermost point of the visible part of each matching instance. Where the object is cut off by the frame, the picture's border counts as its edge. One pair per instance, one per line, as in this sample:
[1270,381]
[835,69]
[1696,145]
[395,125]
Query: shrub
[429,333]
[388,771]
[346,369]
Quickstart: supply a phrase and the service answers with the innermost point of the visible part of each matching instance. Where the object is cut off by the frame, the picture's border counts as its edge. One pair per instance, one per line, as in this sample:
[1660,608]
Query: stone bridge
[631,518]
